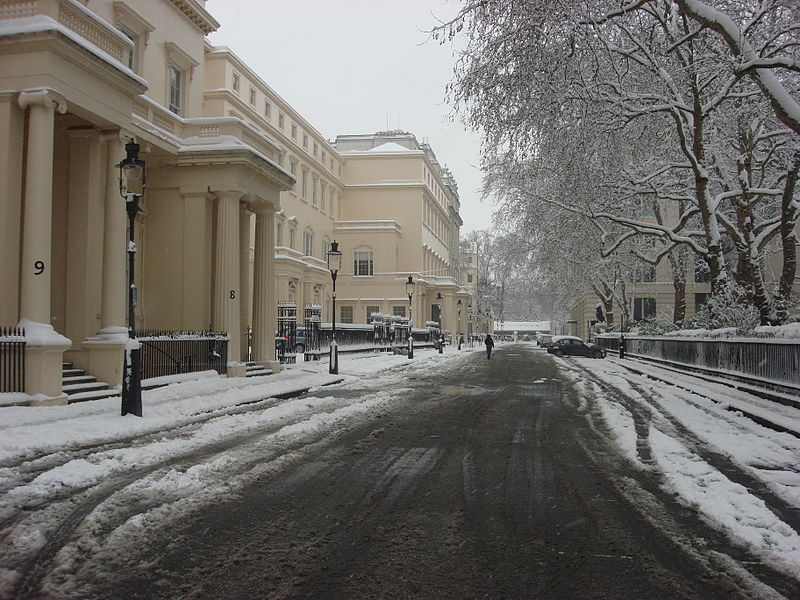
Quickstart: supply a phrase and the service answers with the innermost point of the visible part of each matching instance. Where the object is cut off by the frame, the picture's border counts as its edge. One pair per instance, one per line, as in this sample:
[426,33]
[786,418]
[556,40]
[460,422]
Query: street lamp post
[440,303]
[410,285]
[334,264]
[458,326]
[131,187]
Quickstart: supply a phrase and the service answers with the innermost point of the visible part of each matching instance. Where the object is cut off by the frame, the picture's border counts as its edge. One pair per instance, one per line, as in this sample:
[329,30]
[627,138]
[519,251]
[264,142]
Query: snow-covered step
[84,387]
[94,395]
[79,379]
[254,370]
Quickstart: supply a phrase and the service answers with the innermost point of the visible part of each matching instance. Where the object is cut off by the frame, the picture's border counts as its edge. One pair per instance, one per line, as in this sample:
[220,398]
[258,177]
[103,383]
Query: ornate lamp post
[334,264]
[440,304]
[410,286]
[131,187]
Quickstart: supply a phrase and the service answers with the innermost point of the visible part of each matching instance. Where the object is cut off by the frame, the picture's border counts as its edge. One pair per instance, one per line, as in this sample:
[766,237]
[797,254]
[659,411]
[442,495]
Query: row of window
[647,273]
[434,222]
[347,313]
[363,264]
[433,264]
[317,152]
[438,193]
[178,63]
[319,192]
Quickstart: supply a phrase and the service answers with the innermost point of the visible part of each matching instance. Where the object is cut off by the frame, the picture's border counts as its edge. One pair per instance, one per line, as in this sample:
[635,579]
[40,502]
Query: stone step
[92,395]
[84,387]
[78,379]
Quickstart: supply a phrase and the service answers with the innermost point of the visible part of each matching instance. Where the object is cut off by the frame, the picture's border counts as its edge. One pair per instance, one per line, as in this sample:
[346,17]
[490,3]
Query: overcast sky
[360,66]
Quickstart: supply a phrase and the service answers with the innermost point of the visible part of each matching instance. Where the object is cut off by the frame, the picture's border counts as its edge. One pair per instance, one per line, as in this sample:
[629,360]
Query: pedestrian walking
[489,346]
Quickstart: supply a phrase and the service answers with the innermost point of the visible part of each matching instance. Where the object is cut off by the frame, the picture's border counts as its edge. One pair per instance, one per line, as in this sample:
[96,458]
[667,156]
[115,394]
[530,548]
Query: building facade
[399,219]
[243,196]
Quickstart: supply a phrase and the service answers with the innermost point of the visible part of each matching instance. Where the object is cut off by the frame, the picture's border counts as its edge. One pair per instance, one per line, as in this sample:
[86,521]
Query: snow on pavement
[768,456]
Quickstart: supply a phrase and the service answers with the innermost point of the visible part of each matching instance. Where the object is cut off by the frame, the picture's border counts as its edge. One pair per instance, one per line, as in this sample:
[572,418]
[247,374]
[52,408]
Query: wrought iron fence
[287,332]
[769,363]
[12,359]
[173,352]
[312,318]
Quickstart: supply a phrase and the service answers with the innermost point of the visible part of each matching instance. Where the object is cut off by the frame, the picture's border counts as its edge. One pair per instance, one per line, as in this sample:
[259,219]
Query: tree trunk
[789,210]
[679,289]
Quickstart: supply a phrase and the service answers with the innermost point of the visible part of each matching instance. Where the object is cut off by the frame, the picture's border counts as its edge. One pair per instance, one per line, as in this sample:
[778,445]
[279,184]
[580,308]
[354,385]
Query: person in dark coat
[489,345]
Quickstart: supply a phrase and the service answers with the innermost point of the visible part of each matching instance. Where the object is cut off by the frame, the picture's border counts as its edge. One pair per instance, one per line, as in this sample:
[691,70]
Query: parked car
[543,340]
[301,340]
[568,345]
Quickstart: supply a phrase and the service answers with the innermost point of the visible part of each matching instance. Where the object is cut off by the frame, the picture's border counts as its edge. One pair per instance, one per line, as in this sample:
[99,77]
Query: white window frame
[134,27]
[370,310]
[252,97]
[314,185]
[184,65]
[348,309]
[363,263]
[176,89]
[308,243]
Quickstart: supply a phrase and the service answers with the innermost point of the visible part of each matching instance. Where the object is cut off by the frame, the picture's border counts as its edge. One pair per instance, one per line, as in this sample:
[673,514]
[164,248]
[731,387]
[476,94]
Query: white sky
[360,66]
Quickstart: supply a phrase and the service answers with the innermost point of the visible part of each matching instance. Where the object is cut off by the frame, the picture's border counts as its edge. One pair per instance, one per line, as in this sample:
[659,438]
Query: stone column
[244,265]
[226,315]
[264,308]
[45,347]
[114,293]
[106,348]
[85,224]
[37,219]
[12,130]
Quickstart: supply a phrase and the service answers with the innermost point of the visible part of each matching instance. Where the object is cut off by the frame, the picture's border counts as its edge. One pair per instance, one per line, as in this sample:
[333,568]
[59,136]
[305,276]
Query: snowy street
[446,476]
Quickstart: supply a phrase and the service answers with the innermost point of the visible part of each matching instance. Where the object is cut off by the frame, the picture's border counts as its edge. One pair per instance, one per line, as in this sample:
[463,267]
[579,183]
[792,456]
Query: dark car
[543,340]
[568,345]
[301,340]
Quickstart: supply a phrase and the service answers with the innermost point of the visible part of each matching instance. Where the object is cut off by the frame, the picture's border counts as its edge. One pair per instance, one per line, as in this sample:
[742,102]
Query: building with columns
[243,195]
[79,79]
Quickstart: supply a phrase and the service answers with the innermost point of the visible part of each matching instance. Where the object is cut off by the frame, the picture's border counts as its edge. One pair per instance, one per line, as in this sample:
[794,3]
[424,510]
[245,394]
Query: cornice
[384,186]
[198,15]
[235,156]
[54,41]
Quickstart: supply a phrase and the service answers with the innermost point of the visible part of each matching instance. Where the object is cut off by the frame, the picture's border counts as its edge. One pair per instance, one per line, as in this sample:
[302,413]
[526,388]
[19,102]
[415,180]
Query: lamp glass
[334,258]
[410,286]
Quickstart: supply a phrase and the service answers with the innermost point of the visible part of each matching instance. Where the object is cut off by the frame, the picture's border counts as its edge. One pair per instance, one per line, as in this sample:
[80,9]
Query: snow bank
[725,504]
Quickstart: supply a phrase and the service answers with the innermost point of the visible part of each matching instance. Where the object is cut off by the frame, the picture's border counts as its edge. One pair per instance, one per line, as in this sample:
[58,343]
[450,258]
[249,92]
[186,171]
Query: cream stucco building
[400,218]
[243,195]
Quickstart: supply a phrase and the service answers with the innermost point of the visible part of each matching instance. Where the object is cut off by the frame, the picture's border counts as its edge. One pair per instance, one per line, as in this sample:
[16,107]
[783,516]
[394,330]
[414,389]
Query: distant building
[400,217]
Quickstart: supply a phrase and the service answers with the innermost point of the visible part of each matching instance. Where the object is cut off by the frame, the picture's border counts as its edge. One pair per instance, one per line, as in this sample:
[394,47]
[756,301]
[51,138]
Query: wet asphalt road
[486,482]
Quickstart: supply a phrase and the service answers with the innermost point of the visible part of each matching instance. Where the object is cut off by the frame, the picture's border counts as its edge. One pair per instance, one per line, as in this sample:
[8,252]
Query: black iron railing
[12,359]
[768,363]
[174,352]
